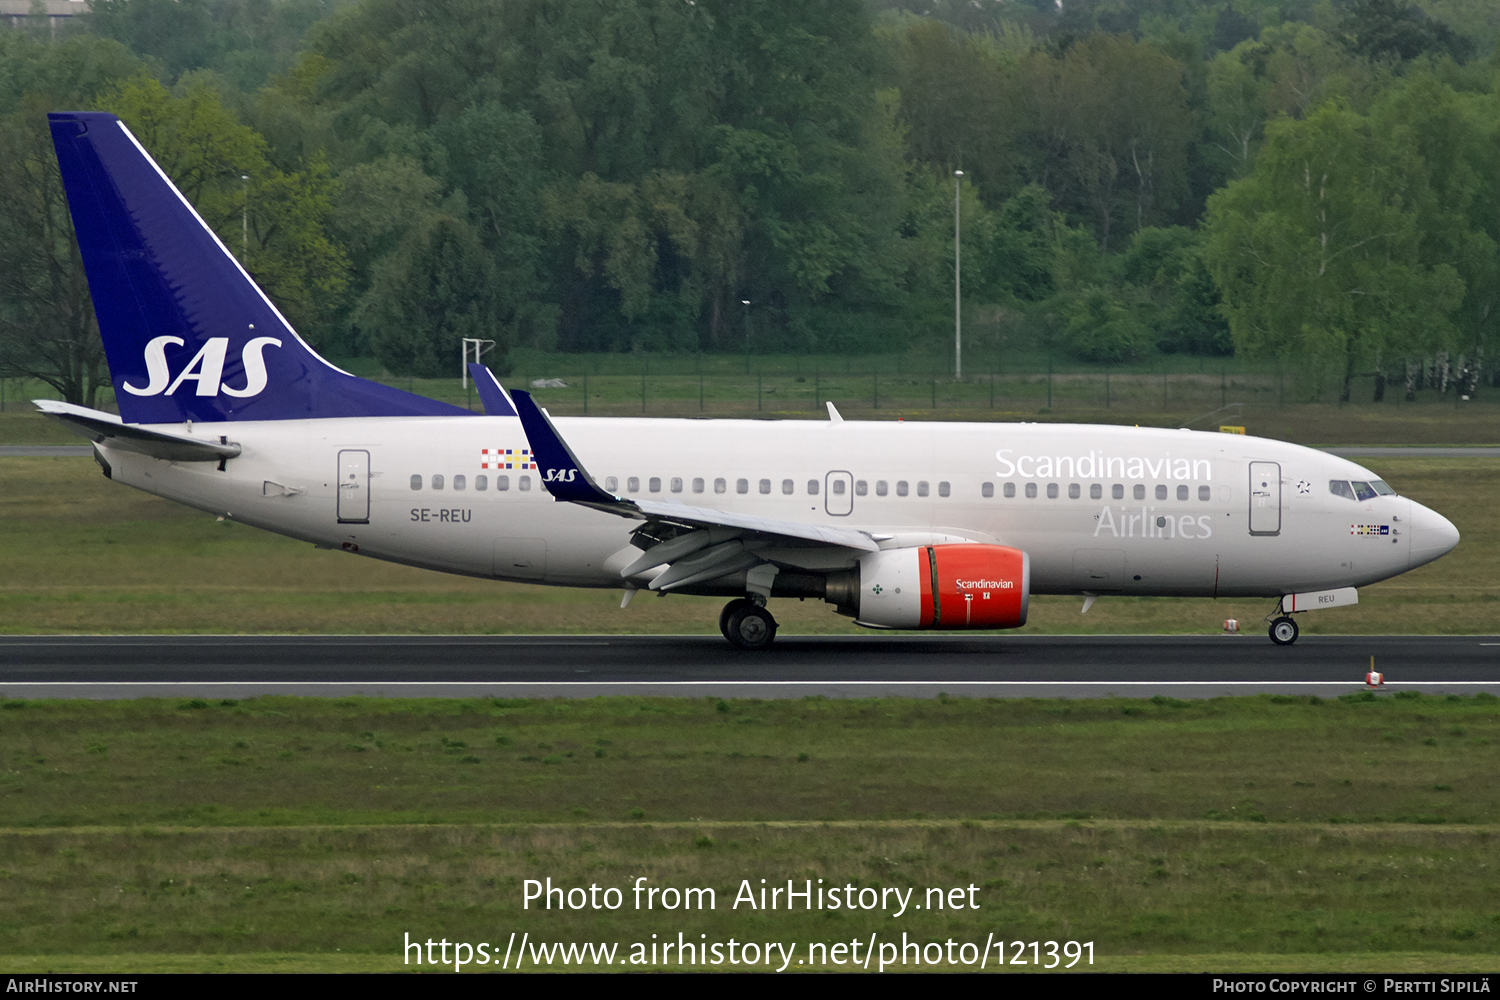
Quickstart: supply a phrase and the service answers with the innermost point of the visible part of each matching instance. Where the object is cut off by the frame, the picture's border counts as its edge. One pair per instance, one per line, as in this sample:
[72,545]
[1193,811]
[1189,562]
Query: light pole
[958,329]
[244,217]
[746,304]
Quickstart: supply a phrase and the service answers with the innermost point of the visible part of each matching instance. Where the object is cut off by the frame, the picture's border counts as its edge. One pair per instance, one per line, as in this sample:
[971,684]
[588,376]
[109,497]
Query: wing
[694,544]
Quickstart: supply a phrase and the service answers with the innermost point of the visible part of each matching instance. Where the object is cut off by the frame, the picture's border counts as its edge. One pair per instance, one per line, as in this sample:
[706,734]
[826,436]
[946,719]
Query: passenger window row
[1096,491]
[1358,490]
[481,483]
[787,487]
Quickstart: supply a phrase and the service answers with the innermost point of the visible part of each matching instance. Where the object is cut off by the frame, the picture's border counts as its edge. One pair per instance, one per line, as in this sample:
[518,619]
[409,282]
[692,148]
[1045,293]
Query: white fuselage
[1099,509]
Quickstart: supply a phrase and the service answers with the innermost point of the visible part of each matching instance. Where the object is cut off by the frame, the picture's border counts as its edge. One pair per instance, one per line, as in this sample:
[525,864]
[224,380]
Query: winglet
[562,473]
[492,394]
[833,414]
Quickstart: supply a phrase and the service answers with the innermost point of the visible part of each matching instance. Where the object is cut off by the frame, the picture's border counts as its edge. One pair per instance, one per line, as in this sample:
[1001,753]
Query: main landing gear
[747,625]
[1283,631]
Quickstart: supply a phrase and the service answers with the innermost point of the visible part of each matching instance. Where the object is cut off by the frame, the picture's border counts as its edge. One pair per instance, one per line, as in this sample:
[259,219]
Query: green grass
[296,833]
[1169,392]
[277,761]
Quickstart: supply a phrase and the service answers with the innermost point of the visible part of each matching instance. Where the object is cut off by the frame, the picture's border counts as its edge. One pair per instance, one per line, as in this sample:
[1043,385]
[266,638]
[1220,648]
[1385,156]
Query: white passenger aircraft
[224,408]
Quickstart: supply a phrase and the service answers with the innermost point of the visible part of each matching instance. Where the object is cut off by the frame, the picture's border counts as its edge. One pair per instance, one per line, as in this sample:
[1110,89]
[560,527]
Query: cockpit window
[1382,488]
[1362,491]
[1340,488]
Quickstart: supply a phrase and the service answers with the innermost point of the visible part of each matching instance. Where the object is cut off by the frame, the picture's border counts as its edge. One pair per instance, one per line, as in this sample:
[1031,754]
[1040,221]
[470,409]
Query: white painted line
[769,683]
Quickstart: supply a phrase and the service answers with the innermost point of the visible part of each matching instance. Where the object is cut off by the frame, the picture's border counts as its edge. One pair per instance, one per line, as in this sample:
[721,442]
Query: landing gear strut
[747,625]
[1283,631]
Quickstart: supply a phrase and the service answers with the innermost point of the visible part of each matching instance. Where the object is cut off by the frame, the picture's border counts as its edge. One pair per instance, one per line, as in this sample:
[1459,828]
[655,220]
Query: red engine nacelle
[944,586]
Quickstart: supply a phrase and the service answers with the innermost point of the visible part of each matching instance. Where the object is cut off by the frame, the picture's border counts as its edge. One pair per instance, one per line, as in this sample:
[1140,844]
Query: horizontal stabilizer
[492,394]
[108,430]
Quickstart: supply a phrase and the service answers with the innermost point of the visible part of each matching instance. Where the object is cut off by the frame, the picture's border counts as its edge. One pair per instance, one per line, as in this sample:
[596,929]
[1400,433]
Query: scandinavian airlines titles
[1097,465]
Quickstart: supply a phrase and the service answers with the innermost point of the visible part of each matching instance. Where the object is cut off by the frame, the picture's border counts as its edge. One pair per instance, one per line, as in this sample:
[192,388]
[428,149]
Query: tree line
[1305,180]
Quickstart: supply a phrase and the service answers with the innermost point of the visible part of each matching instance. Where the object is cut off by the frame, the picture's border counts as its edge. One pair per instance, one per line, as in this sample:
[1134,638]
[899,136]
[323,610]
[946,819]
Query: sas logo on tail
[206,368]
[560,475]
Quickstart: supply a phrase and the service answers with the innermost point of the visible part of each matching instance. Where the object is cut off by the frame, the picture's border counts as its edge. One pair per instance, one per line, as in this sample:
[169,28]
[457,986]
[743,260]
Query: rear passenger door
[354,487]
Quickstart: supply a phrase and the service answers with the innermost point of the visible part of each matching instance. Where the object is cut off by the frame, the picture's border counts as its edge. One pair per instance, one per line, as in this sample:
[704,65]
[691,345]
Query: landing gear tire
[751,628]
[729,609]
[1284,631]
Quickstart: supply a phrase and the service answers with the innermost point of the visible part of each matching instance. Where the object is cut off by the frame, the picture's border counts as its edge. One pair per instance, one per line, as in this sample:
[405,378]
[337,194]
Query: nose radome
[1432,535]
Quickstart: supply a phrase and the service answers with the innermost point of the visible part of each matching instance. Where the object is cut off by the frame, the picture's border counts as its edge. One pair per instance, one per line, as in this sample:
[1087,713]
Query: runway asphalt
[696,666]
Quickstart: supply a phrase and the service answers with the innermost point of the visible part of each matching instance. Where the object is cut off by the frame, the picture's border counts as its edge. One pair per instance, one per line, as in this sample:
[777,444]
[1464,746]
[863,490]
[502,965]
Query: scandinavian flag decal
[506,458]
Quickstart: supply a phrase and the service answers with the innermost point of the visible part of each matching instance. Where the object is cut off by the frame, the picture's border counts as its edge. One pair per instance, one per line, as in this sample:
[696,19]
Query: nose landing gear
[747,625]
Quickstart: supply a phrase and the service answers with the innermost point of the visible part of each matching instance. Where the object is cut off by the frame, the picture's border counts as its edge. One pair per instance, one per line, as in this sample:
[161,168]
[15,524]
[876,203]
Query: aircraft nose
[1432,535]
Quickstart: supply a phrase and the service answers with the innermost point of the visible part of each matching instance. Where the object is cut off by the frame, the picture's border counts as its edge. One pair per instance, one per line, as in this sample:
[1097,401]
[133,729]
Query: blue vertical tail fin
[187,333]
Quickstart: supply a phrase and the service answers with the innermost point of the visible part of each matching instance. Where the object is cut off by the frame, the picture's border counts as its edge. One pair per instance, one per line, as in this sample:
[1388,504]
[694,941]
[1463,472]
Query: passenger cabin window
[1117,491]
[944,489]
[742,486]
[697,486]
[1074,491]
[633,484]
[881,489]
[459,483]
[922,488]
[1010,489]
[1051,491]
[721,486]
[481,483]
[987,490]
[765,486]
[787,487]
[524,484]
[654,486]
[437,482]
[1182,492]
[502,483]
[1140,491]
[901,488]
[1031,491]
[1161,492]
[1205,492]
[416,482]
[1096,491]
[611,483]
[812,487]
[861,487]
[676,484]
[838,487]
